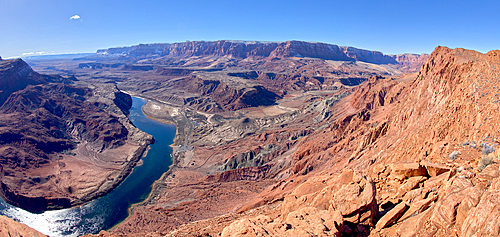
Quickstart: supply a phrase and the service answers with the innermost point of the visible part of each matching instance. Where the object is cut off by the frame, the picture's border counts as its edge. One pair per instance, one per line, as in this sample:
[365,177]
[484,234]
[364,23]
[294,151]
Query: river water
[107,211]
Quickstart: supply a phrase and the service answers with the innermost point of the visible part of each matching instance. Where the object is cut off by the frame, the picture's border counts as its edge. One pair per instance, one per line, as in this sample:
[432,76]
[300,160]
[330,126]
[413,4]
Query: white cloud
[33,53]
[75,17]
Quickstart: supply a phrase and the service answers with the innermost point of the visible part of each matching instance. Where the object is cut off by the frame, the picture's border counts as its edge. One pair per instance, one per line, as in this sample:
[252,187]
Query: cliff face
[238,49]
[16,75]
[330,52]
[195,48]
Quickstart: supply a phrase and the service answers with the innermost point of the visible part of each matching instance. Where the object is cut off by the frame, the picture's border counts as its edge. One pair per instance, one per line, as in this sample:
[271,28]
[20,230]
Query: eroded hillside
[408,155]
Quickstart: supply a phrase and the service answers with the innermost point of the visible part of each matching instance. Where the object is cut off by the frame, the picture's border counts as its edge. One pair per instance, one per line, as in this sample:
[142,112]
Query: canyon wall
[245,49]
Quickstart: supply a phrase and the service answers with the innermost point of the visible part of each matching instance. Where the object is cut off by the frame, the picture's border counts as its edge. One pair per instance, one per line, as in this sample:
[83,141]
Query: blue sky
[388,26]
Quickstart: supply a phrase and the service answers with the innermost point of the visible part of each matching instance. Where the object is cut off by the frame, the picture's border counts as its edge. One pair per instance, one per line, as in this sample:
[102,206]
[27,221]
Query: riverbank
[110,209]
[166,114]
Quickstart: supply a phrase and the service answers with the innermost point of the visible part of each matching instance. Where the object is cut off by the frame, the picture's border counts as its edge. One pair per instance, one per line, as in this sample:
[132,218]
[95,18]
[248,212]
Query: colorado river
[107,211]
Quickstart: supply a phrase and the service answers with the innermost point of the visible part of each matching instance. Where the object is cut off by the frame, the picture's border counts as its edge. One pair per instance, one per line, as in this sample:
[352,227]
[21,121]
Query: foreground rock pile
[318,207]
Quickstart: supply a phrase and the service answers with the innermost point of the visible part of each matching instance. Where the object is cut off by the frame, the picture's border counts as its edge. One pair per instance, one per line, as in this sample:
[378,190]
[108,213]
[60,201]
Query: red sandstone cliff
[245,49]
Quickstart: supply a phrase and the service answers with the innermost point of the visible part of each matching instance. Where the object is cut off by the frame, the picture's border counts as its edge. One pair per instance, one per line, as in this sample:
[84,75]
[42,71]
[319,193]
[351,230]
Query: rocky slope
[12,228]
[414,155]
[62,145]
[429,181]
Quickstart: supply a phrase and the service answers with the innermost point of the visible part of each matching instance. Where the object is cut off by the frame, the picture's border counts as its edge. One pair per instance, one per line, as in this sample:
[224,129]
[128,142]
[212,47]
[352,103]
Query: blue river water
[107,211]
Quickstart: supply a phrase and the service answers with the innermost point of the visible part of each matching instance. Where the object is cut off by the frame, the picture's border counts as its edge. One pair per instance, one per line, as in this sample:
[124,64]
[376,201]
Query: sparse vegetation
[487,149]
[453,155]
[485,161]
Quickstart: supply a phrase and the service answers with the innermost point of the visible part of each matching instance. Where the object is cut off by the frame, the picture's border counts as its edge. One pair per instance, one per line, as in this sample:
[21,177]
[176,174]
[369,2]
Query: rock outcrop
[16,75]
[323,206]
[11,228]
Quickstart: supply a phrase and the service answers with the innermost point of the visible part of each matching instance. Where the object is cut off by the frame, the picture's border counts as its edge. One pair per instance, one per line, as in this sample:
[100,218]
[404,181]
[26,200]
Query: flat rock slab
[391,216]
[405,170]
[434,169]
[410,184]
[418,207]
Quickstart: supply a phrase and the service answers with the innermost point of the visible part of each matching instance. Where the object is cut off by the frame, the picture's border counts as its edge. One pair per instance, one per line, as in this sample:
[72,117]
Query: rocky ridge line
[258,49]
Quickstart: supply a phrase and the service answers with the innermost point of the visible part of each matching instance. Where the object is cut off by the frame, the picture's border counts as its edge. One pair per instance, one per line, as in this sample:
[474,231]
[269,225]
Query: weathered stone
[458,197]
[437,181]
[409,184]
[489,173]
[308,221]
[405,170]
[249,227]
[316,222]
[391,216]
[351,198]
[418,207]
[415,195]
[434,169]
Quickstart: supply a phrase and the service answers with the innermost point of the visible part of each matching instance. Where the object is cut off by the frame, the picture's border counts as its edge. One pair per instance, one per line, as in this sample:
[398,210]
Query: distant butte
[256,49]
